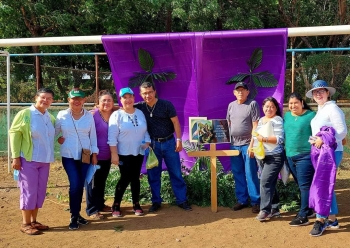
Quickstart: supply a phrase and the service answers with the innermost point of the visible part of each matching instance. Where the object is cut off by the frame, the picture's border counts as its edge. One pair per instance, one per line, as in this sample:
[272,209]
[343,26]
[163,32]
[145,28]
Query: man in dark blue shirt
[162,122]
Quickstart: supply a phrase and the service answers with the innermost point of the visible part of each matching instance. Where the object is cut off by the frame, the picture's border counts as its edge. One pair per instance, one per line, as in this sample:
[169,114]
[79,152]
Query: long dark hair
[274,101]
[299,97]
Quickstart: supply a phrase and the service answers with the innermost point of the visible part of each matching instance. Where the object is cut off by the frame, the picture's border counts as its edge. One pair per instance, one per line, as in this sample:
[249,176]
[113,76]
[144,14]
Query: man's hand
[178,147]
[250,152]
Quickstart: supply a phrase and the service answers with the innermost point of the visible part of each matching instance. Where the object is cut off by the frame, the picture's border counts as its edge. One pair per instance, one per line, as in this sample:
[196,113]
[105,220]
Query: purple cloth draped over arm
[323,160]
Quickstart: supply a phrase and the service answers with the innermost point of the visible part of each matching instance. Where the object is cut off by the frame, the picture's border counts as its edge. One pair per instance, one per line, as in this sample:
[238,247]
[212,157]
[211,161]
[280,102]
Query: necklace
[151,109]
[102,117]
[131,117]
[82,110]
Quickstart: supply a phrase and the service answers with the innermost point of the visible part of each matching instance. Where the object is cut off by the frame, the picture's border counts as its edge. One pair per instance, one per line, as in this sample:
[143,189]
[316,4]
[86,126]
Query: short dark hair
[147,85]
[45,90]
[274,101]
[103,93]
[299,97]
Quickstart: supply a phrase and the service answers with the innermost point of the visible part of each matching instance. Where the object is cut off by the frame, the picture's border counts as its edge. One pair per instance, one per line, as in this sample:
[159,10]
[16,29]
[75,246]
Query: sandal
[116,211]
[28,229]
[97,216]
[39,226]
[137,209]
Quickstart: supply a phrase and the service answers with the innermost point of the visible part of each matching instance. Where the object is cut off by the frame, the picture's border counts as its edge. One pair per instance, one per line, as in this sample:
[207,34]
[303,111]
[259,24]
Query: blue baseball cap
[124,91]
[320,84]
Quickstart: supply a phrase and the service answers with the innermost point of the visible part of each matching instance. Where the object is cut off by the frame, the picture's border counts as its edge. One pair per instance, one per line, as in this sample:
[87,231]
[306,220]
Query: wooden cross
[213,153]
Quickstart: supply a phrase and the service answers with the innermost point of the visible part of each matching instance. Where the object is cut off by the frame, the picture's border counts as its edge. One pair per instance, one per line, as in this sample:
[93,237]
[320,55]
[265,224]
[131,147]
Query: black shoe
[154,208]
[73,225]
[318,228]
[185,206]
[239,206]
[299,221]
[82,221]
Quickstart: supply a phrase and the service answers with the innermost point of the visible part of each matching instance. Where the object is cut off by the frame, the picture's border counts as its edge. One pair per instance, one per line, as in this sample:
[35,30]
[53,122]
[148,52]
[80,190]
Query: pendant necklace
[151,109]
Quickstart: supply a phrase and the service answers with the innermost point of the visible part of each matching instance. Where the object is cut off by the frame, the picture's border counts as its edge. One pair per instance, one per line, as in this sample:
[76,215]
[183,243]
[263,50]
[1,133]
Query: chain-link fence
[332,67]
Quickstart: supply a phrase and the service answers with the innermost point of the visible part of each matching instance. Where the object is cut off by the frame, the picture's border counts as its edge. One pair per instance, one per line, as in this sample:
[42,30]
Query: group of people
[110,136]
[309,143]
[121,136]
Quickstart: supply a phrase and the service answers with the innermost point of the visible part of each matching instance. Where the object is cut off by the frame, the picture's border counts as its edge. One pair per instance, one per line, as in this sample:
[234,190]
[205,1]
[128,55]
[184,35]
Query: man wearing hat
[243,116]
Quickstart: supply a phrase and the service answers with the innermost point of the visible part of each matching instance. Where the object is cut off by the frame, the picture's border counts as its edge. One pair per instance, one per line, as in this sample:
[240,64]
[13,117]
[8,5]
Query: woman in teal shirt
[297,132]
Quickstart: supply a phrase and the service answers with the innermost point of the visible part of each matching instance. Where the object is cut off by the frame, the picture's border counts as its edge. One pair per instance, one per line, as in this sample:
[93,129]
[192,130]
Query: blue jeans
[271,167]
[95,190]
[334,204]
[76,171]
[245,174]
[303,172]
[166,150]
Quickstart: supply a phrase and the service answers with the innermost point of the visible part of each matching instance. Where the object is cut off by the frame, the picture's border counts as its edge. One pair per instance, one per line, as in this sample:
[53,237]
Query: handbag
[85,156]
[85,153]
[152,160]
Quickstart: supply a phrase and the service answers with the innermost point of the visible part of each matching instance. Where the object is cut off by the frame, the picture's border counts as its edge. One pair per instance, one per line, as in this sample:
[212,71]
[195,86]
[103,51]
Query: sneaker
[311,214]
[332,224]
[262,216]
[116,211]
[73,225]
[185,206]
[318,228]
[299,221]
[154,208]
[239,206]
[82,221]
[255,208]
[275,212]
[137,209]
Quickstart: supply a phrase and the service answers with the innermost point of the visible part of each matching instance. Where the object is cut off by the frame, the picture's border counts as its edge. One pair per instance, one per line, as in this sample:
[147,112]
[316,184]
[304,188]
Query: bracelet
[178,139]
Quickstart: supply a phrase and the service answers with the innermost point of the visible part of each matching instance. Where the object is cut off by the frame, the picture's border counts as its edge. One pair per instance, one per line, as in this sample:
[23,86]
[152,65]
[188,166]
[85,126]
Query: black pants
[95,190]
[129,173]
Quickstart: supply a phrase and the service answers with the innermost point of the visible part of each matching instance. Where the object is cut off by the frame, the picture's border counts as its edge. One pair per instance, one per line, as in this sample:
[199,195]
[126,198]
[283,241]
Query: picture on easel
[209,131]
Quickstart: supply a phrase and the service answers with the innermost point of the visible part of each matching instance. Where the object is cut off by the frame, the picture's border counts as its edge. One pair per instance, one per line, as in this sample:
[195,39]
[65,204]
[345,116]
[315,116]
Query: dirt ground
[170,227]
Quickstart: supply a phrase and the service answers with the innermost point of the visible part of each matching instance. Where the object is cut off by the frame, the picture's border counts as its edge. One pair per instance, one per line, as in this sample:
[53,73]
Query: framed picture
[193,126]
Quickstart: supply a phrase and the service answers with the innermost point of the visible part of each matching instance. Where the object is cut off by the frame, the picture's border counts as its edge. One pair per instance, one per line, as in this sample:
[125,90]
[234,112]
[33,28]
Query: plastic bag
[152,160]
[285,173]
[259,151]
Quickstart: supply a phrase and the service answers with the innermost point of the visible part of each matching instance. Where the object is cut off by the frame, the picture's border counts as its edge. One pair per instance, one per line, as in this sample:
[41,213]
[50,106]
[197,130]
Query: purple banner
[203,62]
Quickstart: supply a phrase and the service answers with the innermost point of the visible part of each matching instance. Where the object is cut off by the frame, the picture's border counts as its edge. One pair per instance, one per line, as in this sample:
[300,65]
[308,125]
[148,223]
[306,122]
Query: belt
[163,139]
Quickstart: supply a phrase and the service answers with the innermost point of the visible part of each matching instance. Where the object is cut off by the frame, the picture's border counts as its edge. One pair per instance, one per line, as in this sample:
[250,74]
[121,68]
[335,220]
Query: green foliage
[289,195]
[147,63]
[258,79]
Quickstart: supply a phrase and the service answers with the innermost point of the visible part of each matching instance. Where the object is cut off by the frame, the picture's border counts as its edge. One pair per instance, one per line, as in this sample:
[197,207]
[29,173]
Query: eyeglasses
[147,93]
[319,92]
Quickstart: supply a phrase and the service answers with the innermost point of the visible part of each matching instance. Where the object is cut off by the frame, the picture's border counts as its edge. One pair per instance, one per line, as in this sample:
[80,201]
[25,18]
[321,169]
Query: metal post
[293,70]
[97,76]
[37,72]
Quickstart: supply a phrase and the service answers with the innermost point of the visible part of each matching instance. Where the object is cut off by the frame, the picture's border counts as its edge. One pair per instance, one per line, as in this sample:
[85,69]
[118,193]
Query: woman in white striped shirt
[270,131]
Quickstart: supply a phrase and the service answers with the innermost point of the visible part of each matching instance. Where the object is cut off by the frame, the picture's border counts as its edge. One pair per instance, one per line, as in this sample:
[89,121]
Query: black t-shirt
[160,124]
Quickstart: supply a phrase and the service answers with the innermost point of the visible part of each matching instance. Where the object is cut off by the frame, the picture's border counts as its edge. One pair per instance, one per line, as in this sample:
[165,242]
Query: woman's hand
[61,140]
[16,163]
[115,158]
[318,142]
[94,159]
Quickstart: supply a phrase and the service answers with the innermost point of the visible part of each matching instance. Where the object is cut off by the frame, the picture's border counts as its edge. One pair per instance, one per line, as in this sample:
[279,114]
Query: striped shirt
[277,125]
